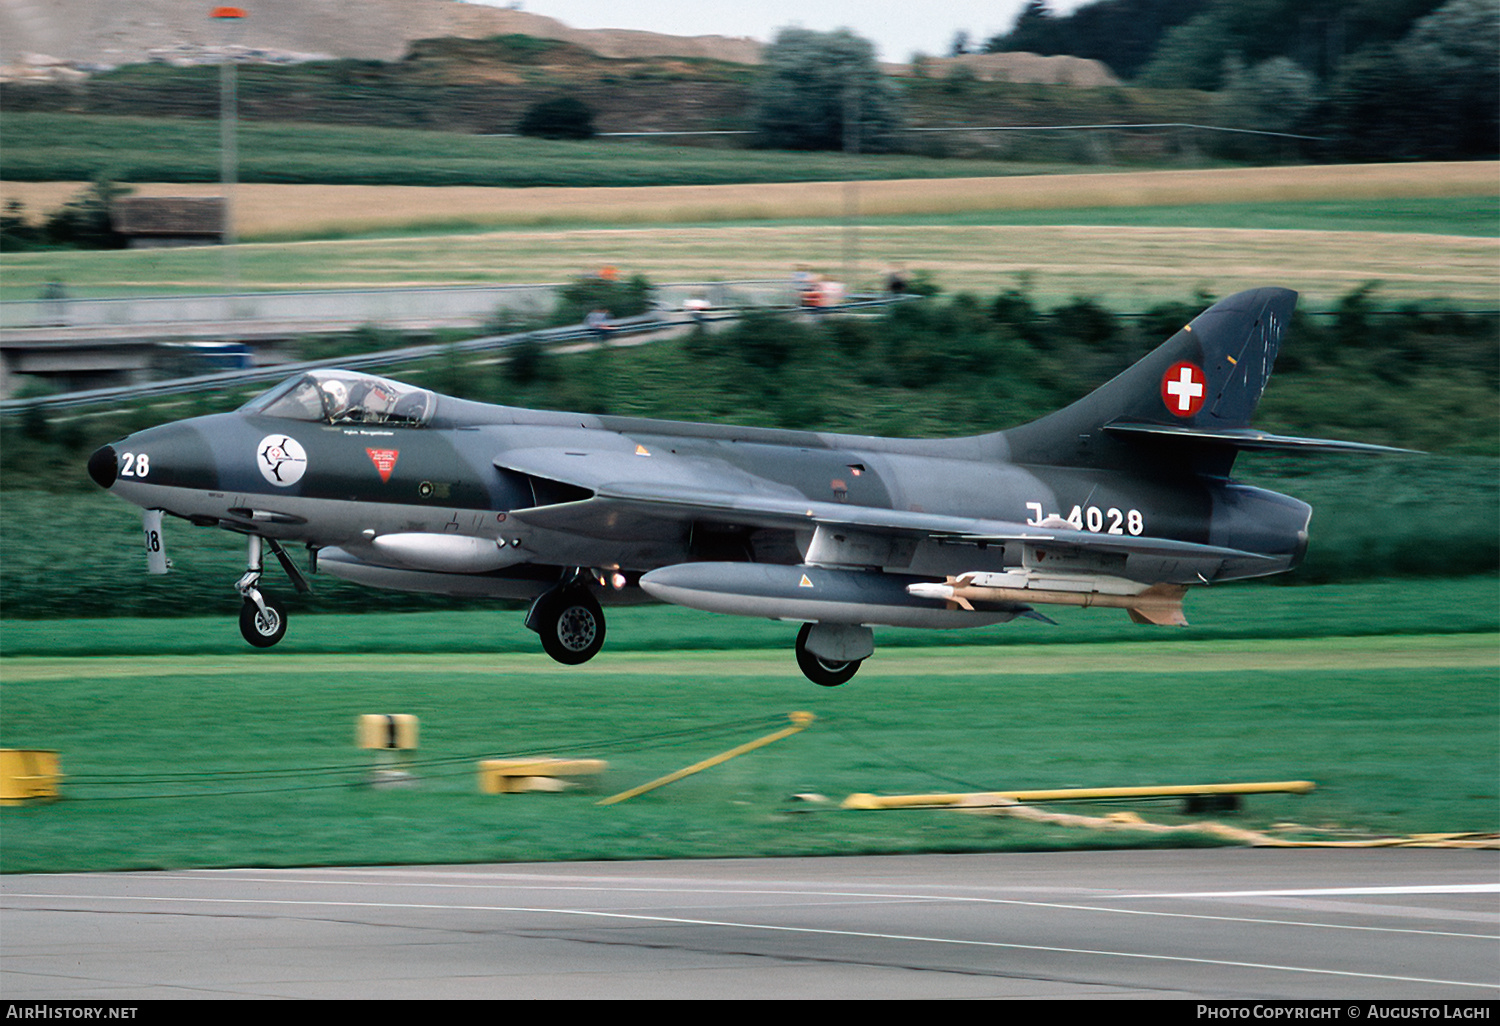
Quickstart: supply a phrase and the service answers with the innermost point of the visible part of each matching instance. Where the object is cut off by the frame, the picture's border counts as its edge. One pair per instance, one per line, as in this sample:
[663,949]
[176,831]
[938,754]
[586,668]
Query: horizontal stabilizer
[1245,439]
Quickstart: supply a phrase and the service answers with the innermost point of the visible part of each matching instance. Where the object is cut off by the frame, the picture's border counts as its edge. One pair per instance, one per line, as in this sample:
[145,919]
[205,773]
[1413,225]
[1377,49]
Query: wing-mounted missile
[814,594]
[156,550]
[1157,604]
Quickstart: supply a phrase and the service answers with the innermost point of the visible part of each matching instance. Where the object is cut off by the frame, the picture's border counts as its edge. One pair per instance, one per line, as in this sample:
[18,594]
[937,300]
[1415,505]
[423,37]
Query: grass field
[181,748]
[51,146]
[1420,230]
[315,211]
[1124,265]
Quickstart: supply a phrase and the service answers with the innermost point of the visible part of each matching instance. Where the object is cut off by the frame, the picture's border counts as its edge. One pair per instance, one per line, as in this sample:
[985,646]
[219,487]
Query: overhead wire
[355,774]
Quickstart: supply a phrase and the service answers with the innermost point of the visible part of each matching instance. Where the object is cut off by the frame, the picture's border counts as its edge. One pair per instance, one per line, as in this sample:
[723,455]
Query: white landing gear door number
[156,550]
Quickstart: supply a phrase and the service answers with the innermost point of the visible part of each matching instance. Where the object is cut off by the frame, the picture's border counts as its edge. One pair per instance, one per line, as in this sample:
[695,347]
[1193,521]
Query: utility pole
[851,182]
[232,18]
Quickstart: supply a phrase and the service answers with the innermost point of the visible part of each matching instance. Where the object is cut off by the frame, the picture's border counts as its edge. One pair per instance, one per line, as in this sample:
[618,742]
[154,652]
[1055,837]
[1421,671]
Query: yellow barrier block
[398,731]
[514,776]
[28,775]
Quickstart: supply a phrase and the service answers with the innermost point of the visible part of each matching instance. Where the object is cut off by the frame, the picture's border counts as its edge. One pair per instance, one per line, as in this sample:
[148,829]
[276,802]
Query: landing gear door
[156,549]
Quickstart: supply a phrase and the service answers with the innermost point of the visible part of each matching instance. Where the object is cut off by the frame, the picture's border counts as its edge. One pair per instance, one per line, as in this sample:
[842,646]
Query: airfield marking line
[1323,892]
[766,927]
[1444,651]
[901,897]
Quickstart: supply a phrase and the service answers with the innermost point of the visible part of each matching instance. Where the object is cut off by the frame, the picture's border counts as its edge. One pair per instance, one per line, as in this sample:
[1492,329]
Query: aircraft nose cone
[104,466]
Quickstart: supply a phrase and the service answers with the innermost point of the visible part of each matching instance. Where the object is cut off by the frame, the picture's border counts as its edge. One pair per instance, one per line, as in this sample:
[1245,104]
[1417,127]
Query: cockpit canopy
[345,397]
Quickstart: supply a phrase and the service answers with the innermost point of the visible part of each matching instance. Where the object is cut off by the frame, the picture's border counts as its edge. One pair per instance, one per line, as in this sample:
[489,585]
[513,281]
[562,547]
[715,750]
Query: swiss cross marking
[1183,388]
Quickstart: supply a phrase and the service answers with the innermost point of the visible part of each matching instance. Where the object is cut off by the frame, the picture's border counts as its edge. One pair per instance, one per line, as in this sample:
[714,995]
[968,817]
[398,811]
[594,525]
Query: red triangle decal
[384,460]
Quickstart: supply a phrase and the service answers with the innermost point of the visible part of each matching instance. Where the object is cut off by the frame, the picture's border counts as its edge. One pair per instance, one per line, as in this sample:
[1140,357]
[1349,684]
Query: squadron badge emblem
[281,460]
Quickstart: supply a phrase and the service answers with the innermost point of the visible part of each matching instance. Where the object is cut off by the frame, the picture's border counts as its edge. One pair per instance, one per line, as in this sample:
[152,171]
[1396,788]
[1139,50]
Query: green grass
[1469,215]
[62,147]
[227,757]
[1249,611]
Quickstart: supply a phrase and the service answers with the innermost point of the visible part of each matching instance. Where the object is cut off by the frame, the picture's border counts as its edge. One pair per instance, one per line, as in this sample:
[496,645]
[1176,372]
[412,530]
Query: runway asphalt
[1218,924]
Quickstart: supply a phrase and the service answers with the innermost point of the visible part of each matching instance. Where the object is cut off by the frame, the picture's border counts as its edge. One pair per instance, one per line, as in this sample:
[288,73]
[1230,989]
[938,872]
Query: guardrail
[645,324]
[308,307]
[311,307]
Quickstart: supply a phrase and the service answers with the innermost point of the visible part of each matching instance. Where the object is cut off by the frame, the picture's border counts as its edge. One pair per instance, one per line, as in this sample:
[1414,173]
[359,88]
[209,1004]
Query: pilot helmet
[335,397]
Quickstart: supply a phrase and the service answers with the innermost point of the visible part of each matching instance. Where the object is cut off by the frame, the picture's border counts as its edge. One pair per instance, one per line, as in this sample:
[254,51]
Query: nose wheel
[262,616]
[263,623]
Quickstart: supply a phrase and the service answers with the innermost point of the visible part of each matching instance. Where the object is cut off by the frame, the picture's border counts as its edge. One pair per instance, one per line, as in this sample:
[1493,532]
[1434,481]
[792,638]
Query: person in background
[598,322]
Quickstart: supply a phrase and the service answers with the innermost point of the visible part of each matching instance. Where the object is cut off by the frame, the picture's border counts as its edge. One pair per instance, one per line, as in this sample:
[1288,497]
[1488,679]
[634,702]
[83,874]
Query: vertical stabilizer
[1208,376]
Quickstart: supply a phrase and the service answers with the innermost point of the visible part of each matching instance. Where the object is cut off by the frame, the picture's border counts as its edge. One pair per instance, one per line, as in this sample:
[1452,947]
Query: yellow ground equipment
[28,775]
[513,776]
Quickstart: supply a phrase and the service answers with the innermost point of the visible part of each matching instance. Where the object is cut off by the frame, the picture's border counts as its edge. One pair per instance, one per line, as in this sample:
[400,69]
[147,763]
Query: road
[1217,924]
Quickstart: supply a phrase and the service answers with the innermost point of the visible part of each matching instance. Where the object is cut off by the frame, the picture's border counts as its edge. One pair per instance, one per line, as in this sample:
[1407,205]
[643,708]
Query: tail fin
[1202,382]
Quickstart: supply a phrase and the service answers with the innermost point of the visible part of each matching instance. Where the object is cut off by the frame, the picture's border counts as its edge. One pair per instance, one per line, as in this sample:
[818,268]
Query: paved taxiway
[1233,924]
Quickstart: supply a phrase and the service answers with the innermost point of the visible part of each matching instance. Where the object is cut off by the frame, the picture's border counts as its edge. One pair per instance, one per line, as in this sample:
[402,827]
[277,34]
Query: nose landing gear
[262,616]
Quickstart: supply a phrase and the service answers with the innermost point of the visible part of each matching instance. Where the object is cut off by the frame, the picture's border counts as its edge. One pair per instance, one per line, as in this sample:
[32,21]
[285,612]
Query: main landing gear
[262,616]
[569,621]
[833,664]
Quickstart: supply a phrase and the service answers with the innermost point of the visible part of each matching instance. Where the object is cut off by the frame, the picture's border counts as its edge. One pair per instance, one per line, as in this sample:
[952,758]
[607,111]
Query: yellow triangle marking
[804,583]
[641,450]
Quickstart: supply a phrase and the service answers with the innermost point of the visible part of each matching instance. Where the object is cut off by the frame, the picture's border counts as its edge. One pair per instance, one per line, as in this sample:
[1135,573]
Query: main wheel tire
[819,670]
[571,625]
[263,629]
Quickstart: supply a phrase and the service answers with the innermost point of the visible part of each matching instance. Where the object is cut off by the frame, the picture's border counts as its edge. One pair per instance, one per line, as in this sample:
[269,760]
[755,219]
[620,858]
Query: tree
[1273,96]
[1121,33]
[1035,31]
[85,220]
[825,91]
[16,232]
[563,118]
[1193,55]
[1456,50]
[1429,96]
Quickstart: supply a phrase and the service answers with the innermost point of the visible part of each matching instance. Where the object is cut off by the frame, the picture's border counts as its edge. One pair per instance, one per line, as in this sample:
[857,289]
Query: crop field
[181,748]
[1119,264]
[310,211]
[54,147]
[1433,232]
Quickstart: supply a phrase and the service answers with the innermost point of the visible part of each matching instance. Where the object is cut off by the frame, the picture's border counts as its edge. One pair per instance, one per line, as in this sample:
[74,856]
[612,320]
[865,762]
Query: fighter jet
[1122,499]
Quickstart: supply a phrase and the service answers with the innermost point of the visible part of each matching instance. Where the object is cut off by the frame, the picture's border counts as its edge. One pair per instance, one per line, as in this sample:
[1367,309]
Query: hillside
[105,32]
[483,86]
[64,40]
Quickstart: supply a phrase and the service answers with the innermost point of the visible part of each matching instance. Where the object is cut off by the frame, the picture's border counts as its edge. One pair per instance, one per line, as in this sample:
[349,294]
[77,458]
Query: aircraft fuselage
[347,485]
[1122,499]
